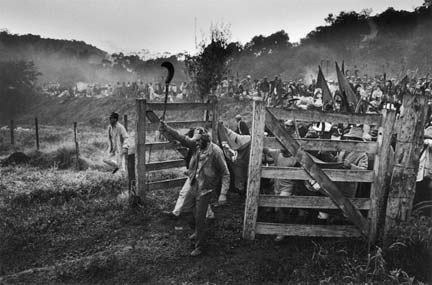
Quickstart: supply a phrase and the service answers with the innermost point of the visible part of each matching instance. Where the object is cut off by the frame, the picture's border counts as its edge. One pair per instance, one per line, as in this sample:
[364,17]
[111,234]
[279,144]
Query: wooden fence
[333,199]
[148,121]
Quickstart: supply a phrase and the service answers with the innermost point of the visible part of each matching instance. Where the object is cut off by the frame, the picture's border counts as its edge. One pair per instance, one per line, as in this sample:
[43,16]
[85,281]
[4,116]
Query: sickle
[168,65]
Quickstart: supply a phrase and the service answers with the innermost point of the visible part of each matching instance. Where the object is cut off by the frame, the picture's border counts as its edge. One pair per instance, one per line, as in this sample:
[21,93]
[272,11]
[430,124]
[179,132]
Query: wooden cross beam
[316,173]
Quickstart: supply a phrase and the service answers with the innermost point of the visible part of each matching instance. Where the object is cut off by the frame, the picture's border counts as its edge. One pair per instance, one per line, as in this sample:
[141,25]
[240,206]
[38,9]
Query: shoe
[196,252]
[192,236]
[279,238]
[169,215]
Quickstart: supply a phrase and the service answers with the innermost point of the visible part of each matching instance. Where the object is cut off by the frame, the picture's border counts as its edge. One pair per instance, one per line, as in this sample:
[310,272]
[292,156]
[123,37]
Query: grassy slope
[94,112]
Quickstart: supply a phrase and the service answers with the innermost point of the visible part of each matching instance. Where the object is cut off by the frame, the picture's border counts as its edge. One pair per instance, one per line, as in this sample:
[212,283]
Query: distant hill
[70,61]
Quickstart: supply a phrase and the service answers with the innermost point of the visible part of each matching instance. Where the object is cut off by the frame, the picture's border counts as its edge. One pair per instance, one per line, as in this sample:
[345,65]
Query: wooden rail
[327,145]
[178,125]
[308,202]
[297,173]
[178,106]
[165,164]
[319,116]
[307,230]
[166,184]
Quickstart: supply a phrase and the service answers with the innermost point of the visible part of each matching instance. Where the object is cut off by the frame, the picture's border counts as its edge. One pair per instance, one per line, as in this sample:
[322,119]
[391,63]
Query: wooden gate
[147,121]
[270,117]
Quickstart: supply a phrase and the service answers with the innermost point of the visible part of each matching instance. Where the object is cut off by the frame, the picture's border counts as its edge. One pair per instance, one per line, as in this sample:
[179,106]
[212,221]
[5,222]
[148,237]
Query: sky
[172,25]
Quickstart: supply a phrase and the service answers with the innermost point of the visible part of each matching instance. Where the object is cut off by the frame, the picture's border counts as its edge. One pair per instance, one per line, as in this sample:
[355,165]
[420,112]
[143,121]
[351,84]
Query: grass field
[66,226]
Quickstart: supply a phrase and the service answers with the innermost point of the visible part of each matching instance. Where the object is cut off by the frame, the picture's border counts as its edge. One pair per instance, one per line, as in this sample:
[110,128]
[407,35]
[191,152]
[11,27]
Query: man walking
[207,167]
[118,143]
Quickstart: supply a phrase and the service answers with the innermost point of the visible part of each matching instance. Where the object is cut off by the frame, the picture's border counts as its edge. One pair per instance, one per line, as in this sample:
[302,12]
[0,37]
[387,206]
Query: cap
[114,115]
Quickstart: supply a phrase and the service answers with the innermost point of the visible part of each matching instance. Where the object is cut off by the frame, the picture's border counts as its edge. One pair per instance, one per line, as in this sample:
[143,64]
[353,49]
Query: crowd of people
[371,94]
[152,91]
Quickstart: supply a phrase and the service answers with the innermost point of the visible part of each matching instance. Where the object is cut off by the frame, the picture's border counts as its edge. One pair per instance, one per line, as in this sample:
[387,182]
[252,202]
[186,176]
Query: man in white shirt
[118,144]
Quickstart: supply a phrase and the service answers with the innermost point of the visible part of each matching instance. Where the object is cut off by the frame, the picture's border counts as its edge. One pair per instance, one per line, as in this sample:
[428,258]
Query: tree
[210,65]
[17,79]
[262,45]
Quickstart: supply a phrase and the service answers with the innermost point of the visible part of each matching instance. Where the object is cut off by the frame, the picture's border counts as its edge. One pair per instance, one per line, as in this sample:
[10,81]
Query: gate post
[407,155]
[254,172]
[140,139]
[381,166]
[214,102]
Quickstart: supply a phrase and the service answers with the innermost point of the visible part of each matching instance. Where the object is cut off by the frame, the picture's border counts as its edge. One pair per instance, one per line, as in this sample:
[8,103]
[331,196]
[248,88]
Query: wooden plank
[178,106]
[166,184]
[327,145]
[328,187]
[298,173]
[320,116]
[214,119]
[381,182]
[307,230]
[140,138]
[307,202]
[162,145]
[407,155]
[165,164]
[254,171]
[178,125]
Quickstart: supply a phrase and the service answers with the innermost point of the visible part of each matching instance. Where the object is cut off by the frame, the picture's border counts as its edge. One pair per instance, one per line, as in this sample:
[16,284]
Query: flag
[403,82]
[327,97]
[345,89]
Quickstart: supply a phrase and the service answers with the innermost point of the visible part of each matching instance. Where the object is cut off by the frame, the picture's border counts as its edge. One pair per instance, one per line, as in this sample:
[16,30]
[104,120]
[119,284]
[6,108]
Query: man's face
[113,121]
[202,143]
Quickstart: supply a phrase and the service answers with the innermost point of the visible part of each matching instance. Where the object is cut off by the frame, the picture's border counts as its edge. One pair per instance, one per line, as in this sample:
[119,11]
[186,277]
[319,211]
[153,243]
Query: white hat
[327,127]
[289,123]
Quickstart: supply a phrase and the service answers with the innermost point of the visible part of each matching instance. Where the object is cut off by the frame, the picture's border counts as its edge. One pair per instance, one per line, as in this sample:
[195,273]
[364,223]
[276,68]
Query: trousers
[198,203]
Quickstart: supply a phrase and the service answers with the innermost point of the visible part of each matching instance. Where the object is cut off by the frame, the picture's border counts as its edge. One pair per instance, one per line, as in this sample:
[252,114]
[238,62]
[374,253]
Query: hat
[238,116]
[319,127]
[289,123]
[114,115]
[428,133]
[198,133]
[354,132]
[248,76]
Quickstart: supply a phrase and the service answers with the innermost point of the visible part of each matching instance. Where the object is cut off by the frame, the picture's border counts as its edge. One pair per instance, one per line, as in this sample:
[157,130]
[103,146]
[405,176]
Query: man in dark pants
[207,168]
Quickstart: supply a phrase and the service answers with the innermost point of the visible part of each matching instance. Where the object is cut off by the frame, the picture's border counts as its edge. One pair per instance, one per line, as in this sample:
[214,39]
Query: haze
[169,26]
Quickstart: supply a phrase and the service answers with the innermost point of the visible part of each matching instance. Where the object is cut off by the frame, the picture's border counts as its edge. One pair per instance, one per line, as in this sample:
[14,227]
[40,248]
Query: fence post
[37,133]
[214,102]
[125,119]
[76,146]
[381,166]
[140,139]
[254,172]
[12,137]
[407,155]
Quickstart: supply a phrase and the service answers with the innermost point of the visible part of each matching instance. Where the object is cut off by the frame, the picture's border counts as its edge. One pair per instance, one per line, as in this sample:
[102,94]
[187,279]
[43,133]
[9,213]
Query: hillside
[95,112]
[70,61]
